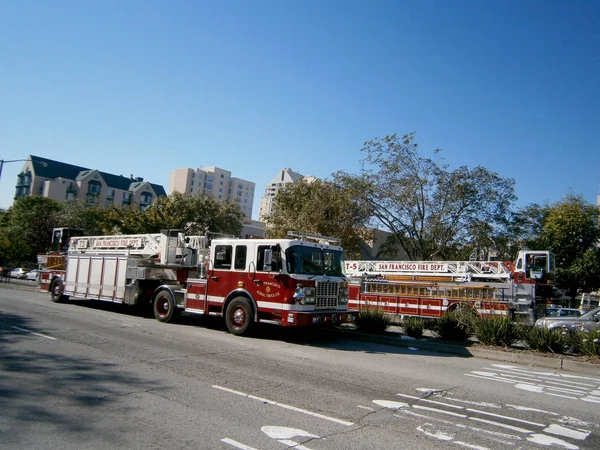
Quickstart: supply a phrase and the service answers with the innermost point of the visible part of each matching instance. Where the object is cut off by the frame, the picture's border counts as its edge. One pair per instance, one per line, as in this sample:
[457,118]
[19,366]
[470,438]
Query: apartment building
[284,177]
[215,182]
[61,182]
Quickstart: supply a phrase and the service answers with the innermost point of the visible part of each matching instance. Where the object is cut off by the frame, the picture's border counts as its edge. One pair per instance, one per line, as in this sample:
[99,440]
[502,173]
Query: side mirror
[268,264]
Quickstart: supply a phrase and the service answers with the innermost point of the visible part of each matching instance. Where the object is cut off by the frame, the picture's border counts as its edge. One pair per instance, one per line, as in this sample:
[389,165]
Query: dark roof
[49,168]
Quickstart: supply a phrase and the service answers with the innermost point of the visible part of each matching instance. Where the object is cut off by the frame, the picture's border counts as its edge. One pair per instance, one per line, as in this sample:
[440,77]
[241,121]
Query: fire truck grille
[327,295]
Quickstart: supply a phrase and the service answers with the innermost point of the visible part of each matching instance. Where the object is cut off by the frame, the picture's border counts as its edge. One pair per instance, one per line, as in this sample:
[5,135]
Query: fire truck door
[196,296]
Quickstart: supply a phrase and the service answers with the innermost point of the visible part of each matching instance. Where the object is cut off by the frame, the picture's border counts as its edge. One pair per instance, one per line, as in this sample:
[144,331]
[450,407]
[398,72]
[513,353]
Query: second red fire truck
[294,282]
[429,289]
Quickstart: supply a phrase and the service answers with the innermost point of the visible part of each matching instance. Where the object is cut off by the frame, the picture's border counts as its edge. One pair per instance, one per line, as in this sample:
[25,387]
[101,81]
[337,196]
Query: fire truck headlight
[309,295]
[299,294]
[343,296]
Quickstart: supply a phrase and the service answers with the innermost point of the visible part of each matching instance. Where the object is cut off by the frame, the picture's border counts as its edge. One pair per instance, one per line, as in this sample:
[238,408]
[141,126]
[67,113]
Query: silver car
[588,321]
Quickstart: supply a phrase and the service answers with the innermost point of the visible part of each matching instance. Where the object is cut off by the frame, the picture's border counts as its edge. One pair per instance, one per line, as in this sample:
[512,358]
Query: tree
[77,214]
[195,215]
[319,207]
[432,211]
[26,228]
[571,230]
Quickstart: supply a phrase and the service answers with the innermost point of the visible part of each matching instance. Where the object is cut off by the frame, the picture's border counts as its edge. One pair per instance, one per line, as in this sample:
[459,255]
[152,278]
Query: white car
[19,272]
[33,275]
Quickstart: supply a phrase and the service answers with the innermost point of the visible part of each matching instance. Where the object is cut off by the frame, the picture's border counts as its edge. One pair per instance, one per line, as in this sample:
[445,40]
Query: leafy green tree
[77,214]
[320,207]
[195,215]
[26,228]
[571,230]
[434,212]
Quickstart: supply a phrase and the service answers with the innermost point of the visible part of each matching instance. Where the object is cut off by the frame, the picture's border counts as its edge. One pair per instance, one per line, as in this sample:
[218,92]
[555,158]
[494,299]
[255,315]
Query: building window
[145,200]
[222,176]
[126,198]
[110,197]
[192,182]
[209,186]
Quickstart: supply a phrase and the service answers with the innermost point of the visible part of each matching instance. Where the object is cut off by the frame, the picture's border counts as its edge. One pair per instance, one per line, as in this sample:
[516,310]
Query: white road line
[237,444]
[283,405]
[365,407]
[33,332]
[490,378]
[514,419]
[441,411]
[560,375]
[430,401]
[502,425]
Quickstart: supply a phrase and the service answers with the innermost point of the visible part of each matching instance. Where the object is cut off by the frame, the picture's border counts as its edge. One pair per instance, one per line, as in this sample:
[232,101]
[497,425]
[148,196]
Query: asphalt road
[90,375]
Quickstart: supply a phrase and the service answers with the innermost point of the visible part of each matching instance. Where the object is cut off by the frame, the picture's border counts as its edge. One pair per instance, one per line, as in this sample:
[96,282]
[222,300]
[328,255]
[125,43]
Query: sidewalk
[394,337]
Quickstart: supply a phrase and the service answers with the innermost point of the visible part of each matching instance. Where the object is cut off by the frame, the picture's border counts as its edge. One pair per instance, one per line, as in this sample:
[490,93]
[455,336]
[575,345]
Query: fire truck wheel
[164,307]
[238,316]
[56,291]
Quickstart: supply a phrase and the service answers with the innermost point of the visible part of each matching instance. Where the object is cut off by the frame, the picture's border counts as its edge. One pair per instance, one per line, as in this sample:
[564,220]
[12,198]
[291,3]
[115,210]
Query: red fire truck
[429,288]
[294,282]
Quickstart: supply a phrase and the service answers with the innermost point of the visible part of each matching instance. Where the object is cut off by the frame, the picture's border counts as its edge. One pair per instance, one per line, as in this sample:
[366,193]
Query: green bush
[413,326]
[496,330]
[586,343]
[544,340]
[449,327]
[372,321]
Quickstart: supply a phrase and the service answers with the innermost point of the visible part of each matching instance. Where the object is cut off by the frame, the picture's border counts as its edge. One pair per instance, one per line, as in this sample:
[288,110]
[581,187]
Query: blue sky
[252,86]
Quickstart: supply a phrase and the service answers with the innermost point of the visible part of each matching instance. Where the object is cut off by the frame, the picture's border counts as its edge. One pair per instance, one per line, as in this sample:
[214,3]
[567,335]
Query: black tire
[56,291]
[239,317]
[164,307]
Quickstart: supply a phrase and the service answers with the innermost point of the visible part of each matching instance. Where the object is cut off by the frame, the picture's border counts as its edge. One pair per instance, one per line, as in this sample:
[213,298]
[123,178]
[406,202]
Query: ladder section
[430,270]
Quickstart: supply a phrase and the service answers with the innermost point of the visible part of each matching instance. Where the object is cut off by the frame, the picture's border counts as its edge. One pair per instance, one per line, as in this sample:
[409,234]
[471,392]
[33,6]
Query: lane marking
[237,444]
[500,416]
[33,332]
[430,401]
[450,413]
[285,406]
[501,425]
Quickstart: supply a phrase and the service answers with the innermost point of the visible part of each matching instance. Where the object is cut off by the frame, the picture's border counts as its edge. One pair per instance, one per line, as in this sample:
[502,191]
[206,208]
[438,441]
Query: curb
[527,359]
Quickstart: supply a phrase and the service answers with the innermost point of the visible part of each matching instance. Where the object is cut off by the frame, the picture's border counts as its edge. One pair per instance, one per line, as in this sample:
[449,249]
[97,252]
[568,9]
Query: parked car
[562,312]
[32,275]
[18,272]
[588,321]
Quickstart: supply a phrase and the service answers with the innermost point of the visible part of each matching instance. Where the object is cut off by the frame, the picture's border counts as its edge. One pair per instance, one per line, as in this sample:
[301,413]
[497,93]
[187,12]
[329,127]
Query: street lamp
[2,162]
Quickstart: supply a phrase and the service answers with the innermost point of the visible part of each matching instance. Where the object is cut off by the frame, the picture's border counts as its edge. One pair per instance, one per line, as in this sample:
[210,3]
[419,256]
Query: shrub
[413,326]
[545,340]
[587,342]
[496,330]
[449,327]
[372,321]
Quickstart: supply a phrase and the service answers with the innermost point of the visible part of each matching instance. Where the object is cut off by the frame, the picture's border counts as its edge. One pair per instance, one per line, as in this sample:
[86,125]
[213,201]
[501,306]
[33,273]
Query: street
[100,376]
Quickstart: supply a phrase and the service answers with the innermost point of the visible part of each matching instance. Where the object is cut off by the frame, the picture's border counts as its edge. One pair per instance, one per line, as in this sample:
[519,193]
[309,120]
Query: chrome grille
[327,295]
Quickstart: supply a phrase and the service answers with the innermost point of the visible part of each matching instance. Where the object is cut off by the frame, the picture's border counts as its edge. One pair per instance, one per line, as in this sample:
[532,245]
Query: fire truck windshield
[314,261]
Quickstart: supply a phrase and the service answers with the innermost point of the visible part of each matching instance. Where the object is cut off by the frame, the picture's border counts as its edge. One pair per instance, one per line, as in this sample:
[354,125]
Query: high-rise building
[61,182]
[216,182]
[284,177]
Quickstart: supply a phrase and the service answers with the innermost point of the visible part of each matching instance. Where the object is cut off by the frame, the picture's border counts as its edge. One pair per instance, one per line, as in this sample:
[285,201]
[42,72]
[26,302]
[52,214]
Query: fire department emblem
[267,289]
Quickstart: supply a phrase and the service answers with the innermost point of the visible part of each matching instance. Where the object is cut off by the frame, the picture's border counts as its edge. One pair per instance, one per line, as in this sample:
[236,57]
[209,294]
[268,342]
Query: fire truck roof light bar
[316,237]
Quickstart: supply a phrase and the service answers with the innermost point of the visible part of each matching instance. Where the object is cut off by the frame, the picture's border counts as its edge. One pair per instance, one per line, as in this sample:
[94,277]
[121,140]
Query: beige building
[283,178]
[215,182]
[61,181]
